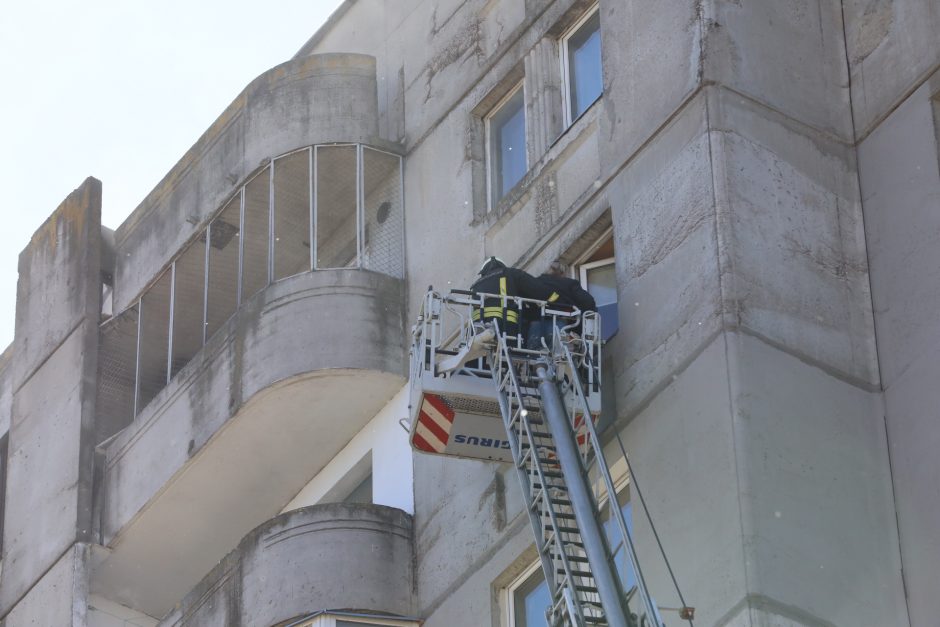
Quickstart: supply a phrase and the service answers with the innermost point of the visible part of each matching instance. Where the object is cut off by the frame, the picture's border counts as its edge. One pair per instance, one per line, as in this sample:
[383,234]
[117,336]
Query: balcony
[272,397]
[323,557]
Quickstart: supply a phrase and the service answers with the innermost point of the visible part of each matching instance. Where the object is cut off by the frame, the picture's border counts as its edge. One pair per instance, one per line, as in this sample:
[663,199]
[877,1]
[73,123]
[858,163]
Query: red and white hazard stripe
[435,420]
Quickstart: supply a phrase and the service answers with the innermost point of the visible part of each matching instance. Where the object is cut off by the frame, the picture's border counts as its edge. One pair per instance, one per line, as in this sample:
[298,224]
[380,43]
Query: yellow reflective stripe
[475,315]
[553,297]
[502,290]
[497,312]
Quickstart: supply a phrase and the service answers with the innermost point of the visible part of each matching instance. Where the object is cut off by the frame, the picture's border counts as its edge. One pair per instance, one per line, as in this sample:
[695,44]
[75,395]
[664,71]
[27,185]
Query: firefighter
[499,279]
[565,291]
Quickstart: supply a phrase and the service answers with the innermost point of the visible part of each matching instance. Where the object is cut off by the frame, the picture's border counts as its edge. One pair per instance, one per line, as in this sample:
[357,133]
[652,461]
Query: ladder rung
[577,573]
[590,589]
[565,529]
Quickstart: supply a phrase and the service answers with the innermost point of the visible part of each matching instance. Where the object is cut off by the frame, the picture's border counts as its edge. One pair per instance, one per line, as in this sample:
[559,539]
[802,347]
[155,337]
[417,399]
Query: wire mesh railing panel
[117,370]
[292,214]
[188,299]
[383,230]
[255,230]
[264,233]
[222,293]
[336,207]
[154,340]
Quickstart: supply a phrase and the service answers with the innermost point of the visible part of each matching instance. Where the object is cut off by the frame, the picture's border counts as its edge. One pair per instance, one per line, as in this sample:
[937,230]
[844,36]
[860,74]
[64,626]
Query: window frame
[328,619]
[583,267]
[509,592]
[568,118]
[491,200]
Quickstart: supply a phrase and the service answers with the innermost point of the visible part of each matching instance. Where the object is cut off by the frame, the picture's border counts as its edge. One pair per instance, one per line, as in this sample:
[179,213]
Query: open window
[599,277]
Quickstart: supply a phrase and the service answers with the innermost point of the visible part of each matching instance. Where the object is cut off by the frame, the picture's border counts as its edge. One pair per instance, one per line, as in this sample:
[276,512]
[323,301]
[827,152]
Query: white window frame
[565,65]
[509,592]
[583,266]
[329,620]
[491,202]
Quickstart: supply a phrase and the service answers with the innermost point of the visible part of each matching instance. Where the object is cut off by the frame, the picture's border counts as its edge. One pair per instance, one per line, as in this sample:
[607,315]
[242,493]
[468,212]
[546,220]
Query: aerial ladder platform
[477,392]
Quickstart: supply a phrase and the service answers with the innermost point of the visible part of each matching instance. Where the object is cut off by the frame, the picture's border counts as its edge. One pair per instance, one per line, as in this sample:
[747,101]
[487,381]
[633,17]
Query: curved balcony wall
[318,99]
[276,393]
[321,207]
[321,557]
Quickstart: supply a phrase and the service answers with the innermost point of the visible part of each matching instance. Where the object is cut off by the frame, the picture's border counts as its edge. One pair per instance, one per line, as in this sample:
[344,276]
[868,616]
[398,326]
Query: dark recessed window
[507,150]
[581,50]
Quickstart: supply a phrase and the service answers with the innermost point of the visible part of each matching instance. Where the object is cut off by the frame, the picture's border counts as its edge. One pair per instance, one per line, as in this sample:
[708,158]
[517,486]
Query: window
[529,597]
[581,65]
[340,618]
[599,277]
[505,129]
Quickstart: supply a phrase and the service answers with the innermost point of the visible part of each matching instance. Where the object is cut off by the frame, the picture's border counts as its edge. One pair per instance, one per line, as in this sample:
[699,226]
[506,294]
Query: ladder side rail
[616,513]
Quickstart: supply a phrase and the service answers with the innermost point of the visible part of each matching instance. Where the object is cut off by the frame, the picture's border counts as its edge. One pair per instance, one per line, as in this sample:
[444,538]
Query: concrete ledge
[290,379]
[311,100]
[320,557]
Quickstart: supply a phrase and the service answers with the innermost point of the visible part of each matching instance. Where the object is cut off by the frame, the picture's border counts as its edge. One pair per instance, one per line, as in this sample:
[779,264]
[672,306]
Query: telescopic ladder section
[551,455]
[547,400]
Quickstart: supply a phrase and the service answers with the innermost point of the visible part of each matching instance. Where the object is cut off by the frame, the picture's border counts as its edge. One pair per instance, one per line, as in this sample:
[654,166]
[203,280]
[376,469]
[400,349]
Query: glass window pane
[223,265]
[530,600]
[188,305]
[584,66]
[292,214]
[154,340]
[507,145]
[382,238]
[255,232]
[602,284]
[336,207]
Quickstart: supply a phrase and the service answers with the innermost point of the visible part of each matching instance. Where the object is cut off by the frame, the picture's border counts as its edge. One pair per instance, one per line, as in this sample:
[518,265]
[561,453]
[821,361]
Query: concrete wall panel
[665,242]
[59,598]
[816,498]
[892,46]
[50,465]
[310,100]
[789,55]
[794,265]
[900,180]
[43,471]
[59,280]
[682,449]
[642,47]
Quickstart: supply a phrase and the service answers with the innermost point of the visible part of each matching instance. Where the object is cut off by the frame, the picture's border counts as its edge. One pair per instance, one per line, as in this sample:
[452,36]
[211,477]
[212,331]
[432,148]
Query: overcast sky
[120,90]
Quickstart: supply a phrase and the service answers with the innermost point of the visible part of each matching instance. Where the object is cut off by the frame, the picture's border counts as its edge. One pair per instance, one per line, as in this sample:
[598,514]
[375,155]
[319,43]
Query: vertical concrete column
[747,333]
[542,97]
[51,447]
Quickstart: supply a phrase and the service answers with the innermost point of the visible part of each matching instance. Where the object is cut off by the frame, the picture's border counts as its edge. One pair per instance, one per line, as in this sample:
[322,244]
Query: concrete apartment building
[201,409]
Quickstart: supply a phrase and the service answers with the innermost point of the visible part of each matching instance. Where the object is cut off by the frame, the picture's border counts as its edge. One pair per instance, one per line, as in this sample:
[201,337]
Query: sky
[119,91]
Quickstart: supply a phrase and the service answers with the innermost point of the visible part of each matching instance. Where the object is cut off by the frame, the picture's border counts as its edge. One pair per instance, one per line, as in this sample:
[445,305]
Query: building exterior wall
[768,174]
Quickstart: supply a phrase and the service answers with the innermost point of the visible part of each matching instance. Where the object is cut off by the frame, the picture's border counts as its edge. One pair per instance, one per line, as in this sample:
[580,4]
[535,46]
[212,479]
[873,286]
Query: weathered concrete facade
[768,175]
